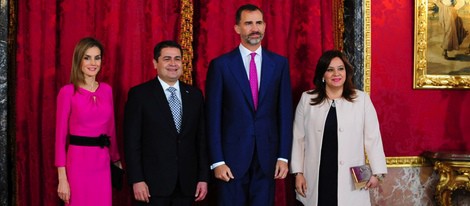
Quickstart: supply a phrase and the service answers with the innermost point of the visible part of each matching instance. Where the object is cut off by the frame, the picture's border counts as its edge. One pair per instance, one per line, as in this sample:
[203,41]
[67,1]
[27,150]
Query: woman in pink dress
[85,115]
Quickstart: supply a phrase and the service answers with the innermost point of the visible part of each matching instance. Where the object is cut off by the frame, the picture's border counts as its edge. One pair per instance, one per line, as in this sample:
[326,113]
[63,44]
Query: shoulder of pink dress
[67,88]
[105,86]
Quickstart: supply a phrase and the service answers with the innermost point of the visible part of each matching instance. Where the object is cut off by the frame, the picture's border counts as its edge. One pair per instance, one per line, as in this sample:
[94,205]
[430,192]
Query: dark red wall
[411,120]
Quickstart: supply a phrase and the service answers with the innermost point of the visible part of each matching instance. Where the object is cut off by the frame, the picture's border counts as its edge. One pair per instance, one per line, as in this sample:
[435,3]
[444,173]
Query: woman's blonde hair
[77,76]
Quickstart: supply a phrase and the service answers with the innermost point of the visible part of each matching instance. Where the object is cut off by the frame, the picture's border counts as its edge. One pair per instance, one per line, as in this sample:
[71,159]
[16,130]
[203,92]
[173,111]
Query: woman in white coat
[333,125]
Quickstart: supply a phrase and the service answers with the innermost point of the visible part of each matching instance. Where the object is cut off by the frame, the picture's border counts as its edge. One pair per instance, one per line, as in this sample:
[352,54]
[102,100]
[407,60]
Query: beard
[254,41]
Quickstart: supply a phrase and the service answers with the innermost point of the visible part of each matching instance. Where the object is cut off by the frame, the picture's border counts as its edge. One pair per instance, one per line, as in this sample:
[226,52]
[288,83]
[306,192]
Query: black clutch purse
[117,175]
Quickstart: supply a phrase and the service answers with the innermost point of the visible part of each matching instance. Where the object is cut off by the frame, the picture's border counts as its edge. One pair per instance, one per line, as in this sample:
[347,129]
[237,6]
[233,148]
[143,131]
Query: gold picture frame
[433,67]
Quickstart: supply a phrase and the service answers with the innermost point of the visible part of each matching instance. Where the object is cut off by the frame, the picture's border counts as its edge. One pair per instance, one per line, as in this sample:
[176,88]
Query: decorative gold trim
[421,80]
[453,175]
[186,40]
[367,45]
[407,161]
[338,21]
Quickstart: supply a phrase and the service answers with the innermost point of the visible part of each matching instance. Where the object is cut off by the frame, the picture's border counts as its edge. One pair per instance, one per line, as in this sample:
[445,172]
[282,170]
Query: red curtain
[297,29]
[49,30]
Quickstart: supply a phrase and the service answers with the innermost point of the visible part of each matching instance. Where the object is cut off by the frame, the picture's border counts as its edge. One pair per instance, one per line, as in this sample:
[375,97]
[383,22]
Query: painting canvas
[442,44]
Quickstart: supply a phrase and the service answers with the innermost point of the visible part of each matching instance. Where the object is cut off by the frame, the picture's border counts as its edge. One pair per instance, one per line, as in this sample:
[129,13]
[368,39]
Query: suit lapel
[238,70]
[162,107]
[267,71]
[186,102]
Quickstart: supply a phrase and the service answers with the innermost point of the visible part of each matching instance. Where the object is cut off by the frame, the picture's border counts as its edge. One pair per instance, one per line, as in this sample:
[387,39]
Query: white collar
[165,86]
[245,52]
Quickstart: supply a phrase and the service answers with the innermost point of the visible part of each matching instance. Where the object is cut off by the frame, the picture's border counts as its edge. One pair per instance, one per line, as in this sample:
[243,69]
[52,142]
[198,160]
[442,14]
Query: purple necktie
[254,80]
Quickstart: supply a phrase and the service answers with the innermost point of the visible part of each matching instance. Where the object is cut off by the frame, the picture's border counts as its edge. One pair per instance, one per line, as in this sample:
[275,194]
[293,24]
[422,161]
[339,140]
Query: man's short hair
[246,7]
[157,50]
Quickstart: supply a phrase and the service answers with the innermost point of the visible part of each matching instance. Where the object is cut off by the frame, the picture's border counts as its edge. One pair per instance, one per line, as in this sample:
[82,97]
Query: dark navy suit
[238,134]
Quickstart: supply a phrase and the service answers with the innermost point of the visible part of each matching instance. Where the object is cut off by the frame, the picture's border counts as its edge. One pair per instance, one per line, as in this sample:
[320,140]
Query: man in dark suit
[165,144]
[249,116]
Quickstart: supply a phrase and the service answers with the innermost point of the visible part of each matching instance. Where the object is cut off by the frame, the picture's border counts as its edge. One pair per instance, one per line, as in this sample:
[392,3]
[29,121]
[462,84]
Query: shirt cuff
[283,159]
[213,166]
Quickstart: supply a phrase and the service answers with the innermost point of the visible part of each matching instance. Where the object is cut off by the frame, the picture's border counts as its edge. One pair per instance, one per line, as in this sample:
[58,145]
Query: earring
[323,80]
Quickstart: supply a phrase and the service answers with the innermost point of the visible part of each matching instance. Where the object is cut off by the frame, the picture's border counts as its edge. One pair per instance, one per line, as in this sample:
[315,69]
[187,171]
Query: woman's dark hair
[349,92]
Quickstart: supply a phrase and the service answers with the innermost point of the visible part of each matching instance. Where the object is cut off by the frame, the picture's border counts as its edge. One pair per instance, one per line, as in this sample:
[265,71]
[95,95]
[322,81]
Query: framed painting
[442,44]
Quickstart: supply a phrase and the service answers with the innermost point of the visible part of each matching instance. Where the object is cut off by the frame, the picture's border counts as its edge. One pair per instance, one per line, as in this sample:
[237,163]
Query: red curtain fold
[48,32]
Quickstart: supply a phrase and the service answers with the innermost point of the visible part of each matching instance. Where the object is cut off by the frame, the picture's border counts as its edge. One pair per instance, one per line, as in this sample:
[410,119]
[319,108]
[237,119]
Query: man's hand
[222,172]
[281,170]
[141,192]
[201,191]
[301,184]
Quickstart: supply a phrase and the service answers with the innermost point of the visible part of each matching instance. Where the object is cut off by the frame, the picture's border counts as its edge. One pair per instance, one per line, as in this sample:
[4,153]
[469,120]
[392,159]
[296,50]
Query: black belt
[101,141]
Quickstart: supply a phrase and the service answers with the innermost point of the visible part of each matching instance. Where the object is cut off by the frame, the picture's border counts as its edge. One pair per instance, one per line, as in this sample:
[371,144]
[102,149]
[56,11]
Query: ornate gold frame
[422,80]
[367,45]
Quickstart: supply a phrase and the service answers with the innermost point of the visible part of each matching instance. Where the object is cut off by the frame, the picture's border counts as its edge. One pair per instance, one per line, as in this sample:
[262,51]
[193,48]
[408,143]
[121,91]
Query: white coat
[358,128]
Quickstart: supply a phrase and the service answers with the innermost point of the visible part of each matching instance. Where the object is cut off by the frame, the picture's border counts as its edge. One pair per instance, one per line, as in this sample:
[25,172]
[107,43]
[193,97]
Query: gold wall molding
[367,45]
[185,38]
[407,161]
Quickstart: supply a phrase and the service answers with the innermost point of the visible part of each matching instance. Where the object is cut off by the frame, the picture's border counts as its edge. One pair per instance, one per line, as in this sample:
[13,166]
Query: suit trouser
[254,188]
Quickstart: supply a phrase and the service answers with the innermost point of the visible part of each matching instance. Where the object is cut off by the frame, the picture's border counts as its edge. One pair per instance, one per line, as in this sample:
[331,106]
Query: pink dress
[90,114]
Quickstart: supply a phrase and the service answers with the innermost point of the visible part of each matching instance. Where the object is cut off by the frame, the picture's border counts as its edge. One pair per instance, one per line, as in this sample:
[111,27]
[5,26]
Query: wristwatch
[297,173]
[380,177]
